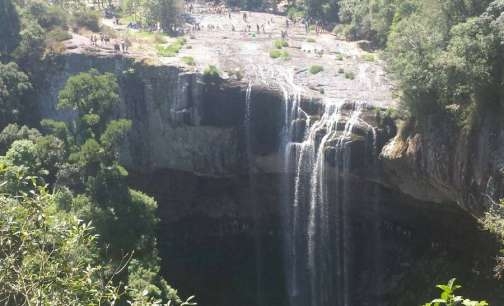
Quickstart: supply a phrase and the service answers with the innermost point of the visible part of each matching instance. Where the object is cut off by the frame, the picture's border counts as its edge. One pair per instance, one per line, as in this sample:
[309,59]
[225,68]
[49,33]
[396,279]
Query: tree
[93,96]
[48,256]
[31,46]
[166,12]
[10,25]
[47,16]
[124,218]
[14,88]
[14,132]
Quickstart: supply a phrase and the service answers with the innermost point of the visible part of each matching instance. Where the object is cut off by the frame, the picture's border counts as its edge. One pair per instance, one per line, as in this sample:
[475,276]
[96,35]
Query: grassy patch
[172,49]
[350,75]
[280,43]
[368,57]
[211,72]
[311,40]
[189,60]
[314,69]
[58,34]
[275,53]
[143,37]
[339,57]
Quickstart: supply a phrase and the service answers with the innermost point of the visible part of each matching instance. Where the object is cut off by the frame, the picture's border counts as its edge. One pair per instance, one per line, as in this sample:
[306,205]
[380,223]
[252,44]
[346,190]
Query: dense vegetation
[72,231]
[446,55]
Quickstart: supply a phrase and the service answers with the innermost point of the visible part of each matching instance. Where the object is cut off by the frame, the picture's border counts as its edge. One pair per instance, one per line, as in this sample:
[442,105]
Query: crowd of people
[103,41]
[239,21]
[246,24]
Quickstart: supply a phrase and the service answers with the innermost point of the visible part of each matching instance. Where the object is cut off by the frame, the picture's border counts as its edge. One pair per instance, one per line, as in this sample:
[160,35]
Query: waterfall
[316,147]
[325,269]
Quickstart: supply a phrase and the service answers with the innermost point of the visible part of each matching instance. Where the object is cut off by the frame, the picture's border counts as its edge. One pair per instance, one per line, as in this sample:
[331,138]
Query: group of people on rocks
[119,46]
[104,39]
[213,9]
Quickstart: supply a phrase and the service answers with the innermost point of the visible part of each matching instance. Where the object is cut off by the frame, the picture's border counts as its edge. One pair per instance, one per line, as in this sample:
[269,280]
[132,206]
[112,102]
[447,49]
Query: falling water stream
[316,232]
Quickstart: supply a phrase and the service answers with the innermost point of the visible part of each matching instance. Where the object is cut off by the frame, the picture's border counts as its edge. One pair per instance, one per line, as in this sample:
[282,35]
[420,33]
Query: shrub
[350,75]
[87,19]
[311,40]
[211,72]
[58,34]
[280,43]
[448,297]
[368,57]
[275,53]
[339,57]
[47,16]
[314,69]
[295,12]
[172,49]
[343,31]
[188,60]
[341,71]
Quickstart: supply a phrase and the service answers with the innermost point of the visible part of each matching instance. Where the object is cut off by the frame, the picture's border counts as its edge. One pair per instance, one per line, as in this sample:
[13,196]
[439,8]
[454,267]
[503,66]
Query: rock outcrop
[445,163]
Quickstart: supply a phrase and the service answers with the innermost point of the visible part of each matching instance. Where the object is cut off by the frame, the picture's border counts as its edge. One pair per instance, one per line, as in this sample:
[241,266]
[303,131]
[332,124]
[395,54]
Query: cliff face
[448,164]
[188,147]
[183,122]
[180,122]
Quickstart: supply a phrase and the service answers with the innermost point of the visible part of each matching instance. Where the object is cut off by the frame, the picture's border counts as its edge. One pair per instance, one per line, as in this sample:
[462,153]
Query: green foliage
[47,16]
[22,153]
[311,40]
[211,72]
[93,96]
[14,88]
[280,43]
[10,25]
[172,49]
[80,160]
[32,45]
[48,256]
[448,297]
[368,57]
[166,12]
[14,132]
[314,69]
[189,60]
[294,12]
[58,35]
[349,75]
[493,221]
[446,56]
[58,129]
[89,19]
[145,286]
[275,53]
